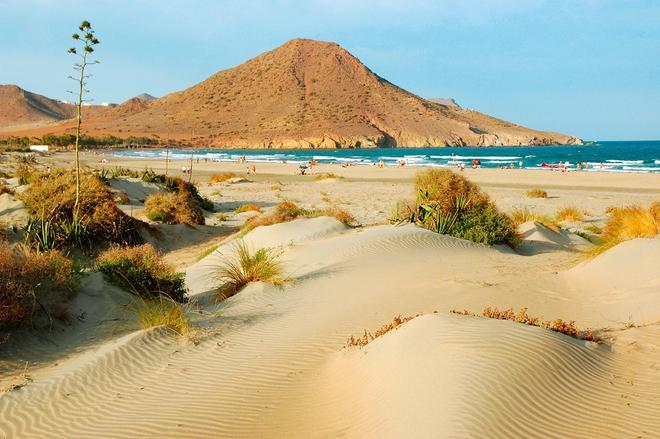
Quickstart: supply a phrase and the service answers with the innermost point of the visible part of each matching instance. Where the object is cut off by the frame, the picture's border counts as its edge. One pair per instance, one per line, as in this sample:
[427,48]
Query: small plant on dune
[173,208]
[150,176]
[337,213]
[558,325]
[569,214]
[326,176]
[594,229]
[626,223]
[248,208]
[122,198]
[448,203]
[289,211]
[120,171]
[142,271]
[222,177]
[162,311]
[221,217]
[520,216]
[246,266]
[23,174]
[368,337]
[33,282]
[536,193]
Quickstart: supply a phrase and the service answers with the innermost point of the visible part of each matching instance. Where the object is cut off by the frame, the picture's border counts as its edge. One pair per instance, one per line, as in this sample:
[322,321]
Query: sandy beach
[273,360]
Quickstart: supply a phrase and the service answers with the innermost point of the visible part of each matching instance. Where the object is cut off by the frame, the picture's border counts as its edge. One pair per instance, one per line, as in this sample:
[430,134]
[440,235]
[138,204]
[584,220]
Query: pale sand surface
[270,361]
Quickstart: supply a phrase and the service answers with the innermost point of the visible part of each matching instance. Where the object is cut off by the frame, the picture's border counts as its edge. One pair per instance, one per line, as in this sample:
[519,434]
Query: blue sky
[585,67]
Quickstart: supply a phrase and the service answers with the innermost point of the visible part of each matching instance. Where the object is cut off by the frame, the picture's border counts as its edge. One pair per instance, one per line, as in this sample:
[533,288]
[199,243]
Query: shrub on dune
[33,282]
[569,214]
[626,223]
[222,177]
[50,201]
[245,266]
[142,271]
[289,211]
[173,208]
[248,208]
[448,203]
[536,193]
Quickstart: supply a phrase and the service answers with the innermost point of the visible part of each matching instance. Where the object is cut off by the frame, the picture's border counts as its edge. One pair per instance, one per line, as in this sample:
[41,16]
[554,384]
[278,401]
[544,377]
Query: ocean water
[621,156]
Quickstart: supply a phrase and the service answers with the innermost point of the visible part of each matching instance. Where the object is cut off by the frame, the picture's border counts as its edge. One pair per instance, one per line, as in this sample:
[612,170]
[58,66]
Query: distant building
[39,148]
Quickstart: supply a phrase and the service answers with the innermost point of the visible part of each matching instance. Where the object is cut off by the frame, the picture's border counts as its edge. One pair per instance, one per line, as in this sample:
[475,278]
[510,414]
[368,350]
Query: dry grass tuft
[558,325]
[31,282]
[368,337]
[248,208]
[536,193]
[162,311]
[245,267]
[288,211]
[222,177]
[142,271]
[4,189]
[626,223]
[569,214]
[521,216]
[326,176]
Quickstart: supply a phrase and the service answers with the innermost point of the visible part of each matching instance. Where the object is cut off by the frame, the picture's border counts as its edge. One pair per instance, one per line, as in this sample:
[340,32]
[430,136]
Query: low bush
[33,283]
[222,177]
[142,271]
[120,171]
[173,208]
[50,201]
[248,208]
[289,211]
[626,223]
[558,325]
[536,193]
[448,203]
[246,266]
[368,337]
[569,214]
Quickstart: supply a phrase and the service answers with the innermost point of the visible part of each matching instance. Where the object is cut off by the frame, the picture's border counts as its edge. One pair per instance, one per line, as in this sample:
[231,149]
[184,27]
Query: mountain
[19,107]
[447,102]
[146,97]
[309,94]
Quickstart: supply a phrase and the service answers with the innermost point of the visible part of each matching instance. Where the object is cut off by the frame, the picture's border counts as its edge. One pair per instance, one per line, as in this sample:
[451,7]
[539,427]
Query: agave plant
[40,233]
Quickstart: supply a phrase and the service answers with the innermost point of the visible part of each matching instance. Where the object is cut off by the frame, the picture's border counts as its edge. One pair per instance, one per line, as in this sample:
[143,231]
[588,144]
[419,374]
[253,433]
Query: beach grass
[248,208]
[536,193]
[221,177]
[368,337]
[569,213]
[162,311]
[523,215]
[246,266]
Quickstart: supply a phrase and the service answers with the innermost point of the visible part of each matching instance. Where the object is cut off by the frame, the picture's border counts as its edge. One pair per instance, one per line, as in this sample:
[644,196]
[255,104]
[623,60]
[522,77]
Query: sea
[600,156]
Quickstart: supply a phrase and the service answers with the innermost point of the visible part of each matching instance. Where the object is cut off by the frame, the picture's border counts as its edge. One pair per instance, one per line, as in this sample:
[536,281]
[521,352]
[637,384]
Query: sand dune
[270,362]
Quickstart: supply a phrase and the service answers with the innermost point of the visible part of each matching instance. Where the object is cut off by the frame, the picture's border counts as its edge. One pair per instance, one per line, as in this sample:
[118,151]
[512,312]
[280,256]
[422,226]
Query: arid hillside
[308,94]
[19,107]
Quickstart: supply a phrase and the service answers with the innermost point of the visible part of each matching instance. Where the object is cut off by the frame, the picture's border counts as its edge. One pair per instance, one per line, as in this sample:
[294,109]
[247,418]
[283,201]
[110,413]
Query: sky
[589,68]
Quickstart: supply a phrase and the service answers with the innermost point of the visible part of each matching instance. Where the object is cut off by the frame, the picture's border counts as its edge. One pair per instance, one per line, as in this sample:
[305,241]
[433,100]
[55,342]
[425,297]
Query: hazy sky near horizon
[585,67]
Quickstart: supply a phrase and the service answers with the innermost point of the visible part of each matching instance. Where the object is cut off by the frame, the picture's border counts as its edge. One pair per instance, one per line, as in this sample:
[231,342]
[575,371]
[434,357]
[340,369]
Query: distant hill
[146,97]
[308,94]
[449,102]
[19,107]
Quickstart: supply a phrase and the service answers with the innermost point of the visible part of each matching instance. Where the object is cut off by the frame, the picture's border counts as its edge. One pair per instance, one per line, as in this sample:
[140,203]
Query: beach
[275,361]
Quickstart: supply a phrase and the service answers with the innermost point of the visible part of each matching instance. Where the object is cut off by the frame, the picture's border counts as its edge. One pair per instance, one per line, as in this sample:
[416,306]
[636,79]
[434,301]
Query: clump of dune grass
[326,176]
[594,229]
[449,204]
[207,252]
[32,283]
[222,177]
[162,311]
[142,271]
[248,208]
[289,211]
[558,325]
[368,337]
[626,223]
[50,200]
[246,266]
[569,214]
[522,215]
[536,193]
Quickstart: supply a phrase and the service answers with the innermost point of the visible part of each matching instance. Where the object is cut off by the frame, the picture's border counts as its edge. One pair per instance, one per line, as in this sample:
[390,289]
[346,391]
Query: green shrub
[485,225]
[142,271]
[173,208]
